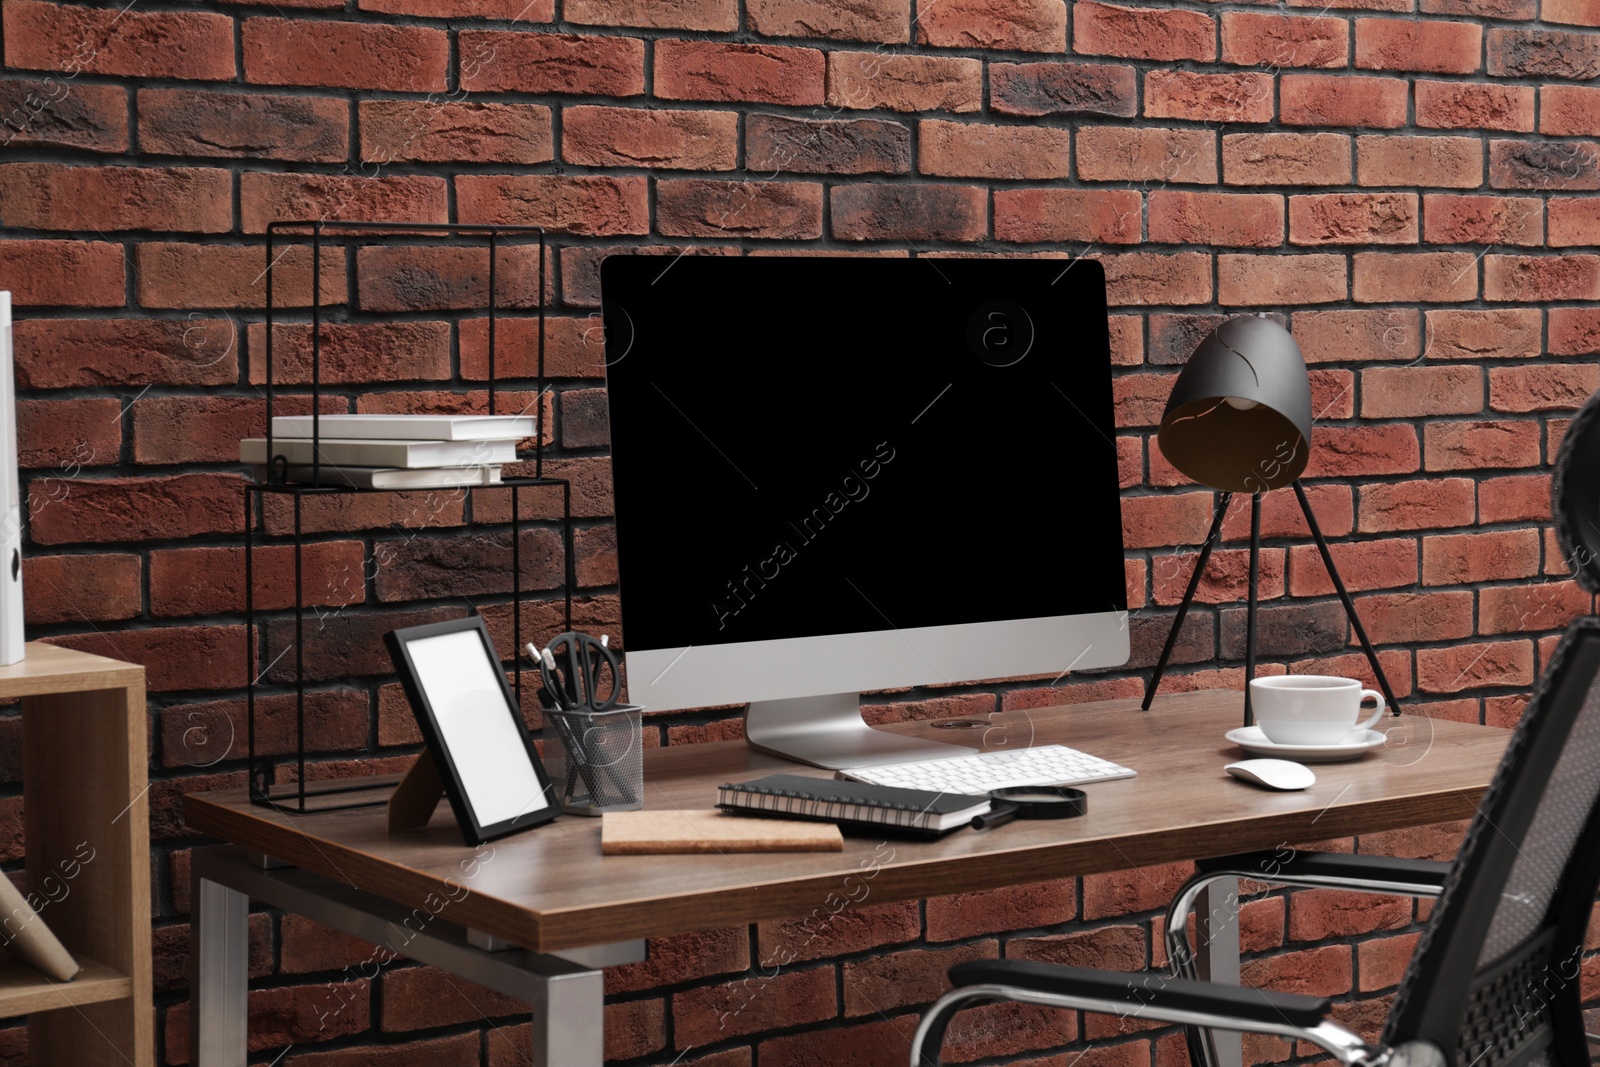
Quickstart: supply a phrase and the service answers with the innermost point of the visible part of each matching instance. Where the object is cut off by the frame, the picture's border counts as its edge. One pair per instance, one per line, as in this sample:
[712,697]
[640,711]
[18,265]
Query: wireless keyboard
[978,774]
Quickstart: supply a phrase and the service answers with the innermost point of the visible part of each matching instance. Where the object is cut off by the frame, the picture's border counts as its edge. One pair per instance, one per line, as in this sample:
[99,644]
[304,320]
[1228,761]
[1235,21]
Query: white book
[11,500]
[390,477]
[345,452]
[409,427]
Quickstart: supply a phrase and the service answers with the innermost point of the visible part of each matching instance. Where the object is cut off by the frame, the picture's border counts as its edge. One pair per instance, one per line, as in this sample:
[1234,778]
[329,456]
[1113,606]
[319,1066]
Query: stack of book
[392,451]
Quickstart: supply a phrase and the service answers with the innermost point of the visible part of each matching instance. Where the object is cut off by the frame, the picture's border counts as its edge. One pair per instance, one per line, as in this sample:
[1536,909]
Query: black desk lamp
[1239,421]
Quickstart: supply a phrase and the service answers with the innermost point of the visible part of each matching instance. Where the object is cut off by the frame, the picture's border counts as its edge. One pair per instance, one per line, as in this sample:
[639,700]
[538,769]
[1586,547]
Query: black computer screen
[807,446]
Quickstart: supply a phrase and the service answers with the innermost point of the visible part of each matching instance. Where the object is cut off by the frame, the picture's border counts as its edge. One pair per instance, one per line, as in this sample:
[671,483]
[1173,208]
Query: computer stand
[830,732]
[1250,617]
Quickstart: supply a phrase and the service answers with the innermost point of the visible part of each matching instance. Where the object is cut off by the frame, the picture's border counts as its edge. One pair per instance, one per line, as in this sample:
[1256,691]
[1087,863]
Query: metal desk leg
[1217,958]
[219,973]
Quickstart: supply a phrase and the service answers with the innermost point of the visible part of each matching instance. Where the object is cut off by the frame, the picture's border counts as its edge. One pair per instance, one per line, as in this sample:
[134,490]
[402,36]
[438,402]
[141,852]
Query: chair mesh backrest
[1494,980]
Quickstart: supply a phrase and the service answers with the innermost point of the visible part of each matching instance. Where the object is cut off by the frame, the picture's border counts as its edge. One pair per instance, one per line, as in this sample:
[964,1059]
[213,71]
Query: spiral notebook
[853,805]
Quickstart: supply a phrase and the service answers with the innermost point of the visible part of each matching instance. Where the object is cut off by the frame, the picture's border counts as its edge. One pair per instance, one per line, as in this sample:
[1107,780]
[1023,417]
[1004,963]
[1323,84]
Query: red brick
[1286,159]
[1180,94]
[448,131]
[353,352]
[183,122]
[887,21]
[1401,618]
[1571,12]
[827,932]
[1116,948]
[1341,100]
[885,981]
[209,581]
[757,1002]
[81,588]
[48,113]
[397,277]
[977,150]
[719,16]
[1363,565]
[1475,665]
[61,353]
[68,434]
[265,198]
[1466,105]
[1333,394]
[138,509]
[1231,219]
[591,205]
[1493,220]
[1422,277]
[1411,392]
[1166,519]
[1281,515]
[1136,890]
[1504,333]
[1344,451]
[1252,39]
[174,657]
[1127,339]
[285,1015]
[1416,505]
[419,997]
[573,348]
[1226,578]
[1574,331]
[1353,218]
[881,1043]
[1317,972]
[682,957]
[1359,336]
[182,275]
[1140,398]
[1526,53]
[1382,963]
[1126,154]
[1542,386]
[460,1050]
[696,208]
[1529,279]
[1544,164]
[1093,216]
[1026,26]
[202,735]
[1304,279]
[580,284]
[136,44]
[1569,111]
[1438,841]
[1574,221]
[1360,5]
[63,273]
[1434,45]
[1323,914]
[1142,33]
[1469,559]
[344,55]
[171,949]
[1514,498]
[1535,608]
[1134,278]
[908,212]
[1520,10]
[1474,445]
[542,63]
[777,143]
[747,73]
[1447,162]
[207,429]
[619,136]
[904,82]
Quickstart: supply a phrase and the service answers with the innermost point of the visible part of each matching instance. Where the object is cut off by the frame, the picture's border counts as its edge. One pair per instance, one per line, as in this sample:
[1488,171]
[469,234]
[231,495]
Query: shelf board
[24,990]
[47,668]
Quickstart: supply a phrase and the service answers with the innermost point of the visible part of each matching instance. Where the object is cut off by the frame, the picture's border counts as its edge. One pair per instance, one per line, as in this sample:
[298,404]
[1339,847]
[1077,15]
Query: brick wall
[1408,182]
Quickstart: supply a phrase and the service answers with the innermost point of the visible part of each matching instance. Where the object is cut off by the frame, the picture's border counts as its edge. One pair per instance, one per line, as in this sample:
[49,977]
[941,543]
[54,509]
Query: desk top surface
[549,888]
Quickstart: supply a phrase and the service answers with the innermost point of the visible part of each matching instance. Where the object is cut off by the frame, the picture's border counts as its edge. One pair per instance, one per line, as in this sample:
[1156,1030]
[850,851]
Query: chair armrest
[1147,990]
[1334,869]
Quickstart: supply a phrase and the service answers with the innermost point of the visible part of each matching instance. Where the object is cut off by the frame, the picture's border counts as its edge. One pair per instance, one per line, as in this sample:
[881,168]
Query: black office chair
[1494,981]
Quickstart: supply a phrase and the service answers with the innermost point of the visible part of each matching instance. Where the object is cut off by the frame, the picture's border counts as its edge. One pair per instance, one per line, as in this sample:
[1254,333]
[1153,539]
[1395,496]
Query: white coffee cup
[1311,709]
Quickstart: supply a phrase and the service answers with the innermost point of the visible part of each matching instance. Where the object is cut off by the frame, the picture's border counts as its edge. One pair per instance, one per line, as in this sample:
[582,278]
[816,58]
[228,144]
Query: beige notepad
[642,833]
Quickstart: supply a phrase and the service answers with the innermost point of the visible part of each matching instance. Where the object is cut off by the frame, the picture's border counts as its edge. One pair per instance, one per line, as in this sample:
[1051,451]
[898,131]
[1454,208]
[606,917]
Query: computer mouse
[1273,773]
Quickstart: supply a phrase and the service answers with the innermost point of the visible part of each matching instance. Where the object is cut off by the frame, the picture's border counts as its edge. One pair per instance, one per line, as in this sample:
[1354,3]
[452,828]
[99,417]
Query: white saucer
[1253,741]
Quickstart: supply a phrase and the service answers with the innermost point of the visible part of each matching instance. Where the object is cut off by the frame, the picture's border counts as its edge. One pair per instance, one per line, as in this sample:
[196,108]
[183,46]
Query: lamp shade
[1239,417]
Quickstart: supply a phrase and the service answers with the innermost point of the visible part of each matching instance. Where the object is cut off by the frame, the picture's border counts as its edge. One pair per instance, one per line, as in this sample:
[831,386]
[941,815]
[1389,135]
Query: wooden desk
[550,891]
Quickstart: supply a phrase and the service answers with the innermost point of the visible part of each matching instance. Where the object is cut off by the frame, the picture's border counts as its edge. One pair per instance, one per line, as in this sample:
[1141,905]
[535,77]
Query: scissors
[581,673]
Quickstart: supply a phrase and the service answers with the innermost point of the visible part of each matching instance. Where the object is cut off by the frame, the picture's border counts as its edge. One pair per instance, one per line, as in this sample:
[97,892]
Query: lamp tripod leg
[1250,603]
[1188,598]
[1349,605]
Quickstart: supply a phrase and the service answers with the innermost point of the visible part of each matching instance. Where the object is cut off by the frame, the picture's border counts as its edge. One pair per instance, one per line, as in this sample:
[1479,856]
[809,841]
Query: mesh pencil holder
[595,759]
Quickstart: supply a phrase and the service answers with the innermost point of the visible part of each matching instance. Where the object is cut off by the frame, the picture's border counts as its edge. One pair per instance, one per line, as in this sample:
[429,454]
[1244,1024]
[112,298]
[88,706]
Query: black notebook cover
[852,804]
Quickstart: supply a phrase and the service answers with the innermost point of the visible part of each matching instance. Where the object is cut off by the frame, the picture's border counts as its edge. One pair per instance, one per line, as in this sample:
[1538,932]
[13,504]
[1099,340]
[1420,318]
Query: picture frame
[472,726]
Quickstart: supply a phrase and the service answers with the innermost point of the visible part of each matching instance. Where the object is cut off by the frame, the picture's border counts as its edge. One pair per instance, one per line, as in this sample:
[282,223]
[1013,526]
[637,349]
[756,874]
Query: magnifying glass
[1031,802]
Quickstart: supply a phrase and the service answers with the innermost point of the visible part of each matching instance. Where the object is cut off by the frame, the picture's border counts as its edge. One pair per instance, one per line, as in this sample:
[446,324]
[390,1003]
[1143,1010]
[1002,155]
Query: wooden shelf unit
[84,786]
